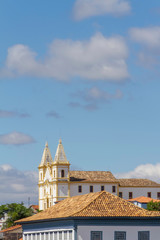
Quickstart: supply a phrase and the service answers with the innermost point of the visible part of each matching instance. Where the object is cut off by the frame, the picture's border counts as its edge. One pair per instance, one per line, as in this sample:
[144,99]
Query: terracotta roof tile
[35,207]
[99,204]
[92,176]
[143,199]
[134,182]
[11,228]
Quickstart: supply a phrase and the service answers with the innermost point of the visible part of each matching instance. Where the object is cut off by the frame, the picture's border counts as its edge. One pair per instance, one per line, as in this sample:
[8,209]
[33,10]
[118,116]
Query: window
[149,194]
[97,235]
[65,235]
[113,189]
[54,173]
[38,236]
[102,188]
[158,195]
[62,173]
[91,188]
[130,195]
[143,235]
[41,176]
[70,235]
[55,235]
[120,194]
[60,235]
[79,188]
[46,236]
[29,236]
[25,236]
[51,235]
[42,236]
[119,235]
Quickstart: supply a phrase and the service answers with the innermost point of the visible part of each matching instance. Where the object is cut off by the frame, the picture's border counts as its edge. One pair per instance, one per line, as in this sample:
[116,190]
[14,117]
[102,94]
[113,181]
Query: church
[58,182]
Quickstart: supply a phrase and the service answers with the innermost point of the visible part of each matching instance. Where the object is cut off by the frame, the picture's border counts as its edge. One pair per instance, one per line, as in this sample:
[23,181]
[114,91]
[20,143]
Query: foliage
[153,206]
[14,211]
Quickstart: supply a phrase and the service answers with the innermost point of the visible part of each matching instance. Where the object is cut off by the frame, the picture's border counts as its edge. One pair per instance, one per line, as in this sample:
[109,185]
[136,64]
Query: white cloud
[148,171]
[15,138]
[53,114]
[9,114]
[94,96]
[149,37]
[99,58]
[88,8]
[149,40]
[97,94]
[17,185]
[89,107]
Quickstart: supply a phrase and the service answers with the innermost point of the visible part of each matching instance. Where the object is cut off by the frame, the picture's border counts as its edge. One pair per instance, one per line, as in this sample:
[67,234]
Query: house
[35,208]
[3,220]
[57,181]
[12,233]
[142,201]
[93,216]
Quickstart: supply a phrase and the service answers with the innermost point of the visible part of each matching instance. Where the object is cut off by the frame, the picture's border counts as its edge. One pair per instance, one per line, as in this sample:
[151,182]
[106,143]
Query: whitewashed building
[57,182]
[93,216]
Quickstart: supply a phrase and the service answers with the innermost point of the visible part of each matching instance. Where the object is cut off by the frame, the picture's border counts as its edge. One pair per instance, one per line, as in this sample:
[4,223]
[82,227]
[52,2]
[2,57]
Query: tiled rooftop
[99,204]
[134,182]
[92,176]
[11,228]
[143,199]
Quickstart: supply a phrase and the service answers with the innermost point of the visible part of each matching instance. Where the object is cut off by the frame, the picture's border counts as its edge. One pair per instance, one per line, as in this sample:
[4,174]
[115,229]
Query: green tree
[14,211]
[153,206]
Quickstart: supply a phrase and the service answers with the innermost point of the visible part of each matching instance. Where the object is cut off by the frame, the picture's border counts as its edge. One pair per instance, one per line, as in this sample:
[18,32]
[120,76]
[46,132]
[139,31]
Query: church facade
[57,182]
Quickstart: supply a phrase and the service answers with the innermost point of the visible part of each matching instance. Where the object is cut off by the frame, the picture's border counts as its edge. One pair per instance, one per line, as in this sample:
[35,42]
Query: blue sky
[83,70]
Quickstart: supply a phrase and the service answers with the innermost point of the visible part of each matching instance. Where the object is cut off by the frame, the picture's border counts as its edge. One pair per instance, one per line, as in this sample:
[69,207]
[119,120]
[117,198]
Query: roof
[99,204]
[35,207]
[143,199]
[46,157]
[11,228]
[60,156]
[92,176]
[134,182]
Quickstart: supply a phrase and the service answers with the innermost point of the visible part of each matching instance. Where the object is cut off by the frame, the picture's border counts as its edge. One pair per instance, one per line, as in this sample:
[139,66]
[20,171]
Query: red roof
[143,199]
[11,228]
[35,207]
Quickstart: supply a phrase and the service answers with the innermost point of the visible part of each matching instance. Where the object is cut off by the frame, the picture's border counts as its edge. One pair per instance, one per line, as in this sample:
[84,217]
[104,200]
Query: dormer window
[62,173]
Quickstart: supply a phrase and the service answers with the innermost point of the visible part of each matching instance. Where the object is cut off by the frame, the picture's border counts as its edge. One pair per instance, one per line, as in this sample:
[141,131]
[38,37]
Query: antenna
[29,202]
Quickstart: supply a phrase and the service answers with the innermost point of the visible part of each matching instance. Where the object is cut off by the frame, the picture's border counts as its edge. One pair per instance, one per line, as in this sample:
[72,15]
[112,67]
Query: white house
[57,182]
[142,201]
[93,216]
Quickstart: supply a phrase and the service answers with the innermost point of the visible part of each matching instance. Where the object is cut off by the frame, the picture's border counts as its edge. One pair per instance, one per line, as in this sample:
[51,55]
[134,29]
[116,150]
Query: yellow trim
[75,182]
[139,187]
[118,190]
[61,164]
[62,197]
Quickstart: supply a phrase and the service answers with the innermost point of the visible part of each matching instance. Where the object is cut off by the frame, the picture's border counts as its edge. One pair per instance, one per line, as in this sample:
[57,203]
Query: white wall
[85,188]
[62,189]
[65,168]
[139,191]
[108,232]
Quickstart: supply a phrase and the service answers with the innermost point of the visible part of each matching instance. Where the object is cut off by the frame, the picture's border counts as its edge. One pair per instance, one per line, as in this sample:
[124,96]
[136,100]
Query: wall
[85,188]
[84,232]
[139,191]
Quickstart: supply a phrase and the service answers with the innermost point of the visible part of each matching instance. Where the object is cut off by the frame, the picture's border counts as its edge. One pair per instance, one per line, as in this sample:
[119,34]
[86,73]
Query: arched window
[62,173]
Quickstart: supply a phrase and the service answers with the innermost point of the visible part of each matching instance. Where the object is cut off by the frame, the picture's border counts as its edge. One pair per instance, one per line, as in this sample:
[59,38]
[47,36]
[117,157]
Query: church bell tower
[53,177]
